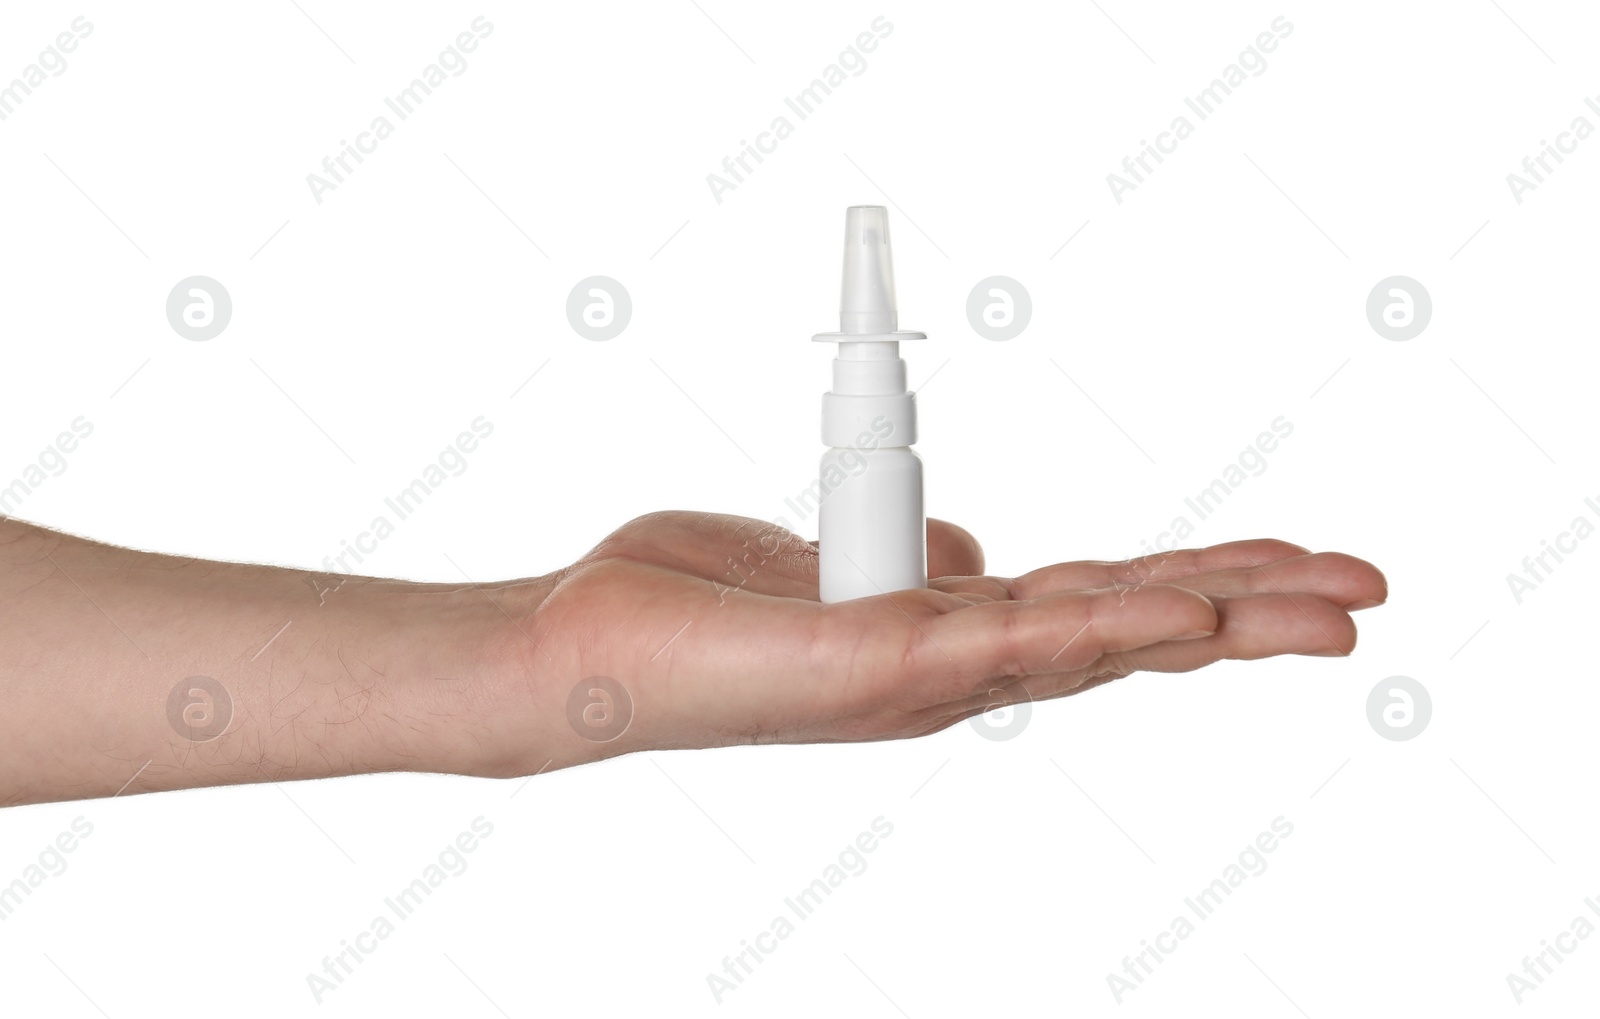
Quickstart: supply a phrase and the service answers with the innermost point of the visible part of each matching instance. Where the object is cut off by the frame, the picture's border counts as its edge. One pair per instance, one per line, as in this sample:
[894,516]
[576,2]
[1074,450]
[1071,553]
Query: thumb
[952,551]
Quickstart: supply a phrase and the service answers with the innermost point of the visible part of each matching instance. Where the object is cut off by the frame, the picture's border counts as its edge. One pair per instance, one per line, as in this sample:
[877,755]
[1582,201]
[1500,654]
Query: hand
[712,626]
[709,625]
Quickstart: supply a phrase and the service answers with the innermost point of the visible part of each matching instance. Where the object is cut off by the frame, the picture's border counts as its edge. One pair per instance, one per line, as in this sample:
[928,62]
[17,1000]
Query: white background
[1227,290]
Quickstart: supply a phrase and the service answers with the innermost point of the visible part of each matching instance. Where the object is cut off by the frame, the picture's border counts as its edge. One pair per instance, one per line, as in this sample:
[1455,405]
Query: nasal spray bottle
[873,536]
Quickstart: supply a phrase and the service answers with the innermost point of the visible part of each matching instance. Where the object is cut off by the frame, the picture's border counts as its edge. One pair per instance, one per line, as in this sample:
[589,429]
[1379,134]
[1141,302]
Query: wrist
[504,716]
[549,705]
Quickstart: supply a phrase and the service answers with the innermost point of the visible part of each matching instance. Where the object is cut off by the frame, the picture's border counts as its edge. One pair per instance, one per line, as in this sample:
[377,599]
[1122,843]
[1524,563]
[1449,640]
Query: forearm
[325,675]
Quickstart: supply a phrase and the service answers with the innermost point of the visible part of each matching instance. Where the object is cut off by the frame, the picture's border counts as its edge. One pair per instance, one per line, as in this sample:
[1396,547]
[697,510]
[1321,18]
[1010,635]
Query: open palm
[712,627]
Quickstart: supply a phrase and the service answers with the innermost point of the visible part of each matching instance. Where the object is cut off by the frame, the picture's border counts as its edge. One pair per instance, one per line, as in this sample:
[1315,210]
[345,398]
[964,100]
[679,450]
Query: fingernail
[1330,652]
[1194,634]
[1365,603]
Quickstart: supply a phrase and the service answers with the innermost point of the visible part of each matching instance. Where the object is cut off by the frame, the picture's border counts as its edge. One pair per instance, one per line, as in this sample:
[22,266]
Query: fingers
[952,551]
[1069,630]
[1344,580]
[1158,568]
[974,589]
[1249,627]
[1258,626]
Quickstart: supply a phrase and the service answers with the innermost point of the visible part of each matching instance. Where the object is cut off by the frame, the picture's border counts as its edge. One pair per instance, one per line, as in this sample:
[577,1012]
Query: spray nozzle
[866,298]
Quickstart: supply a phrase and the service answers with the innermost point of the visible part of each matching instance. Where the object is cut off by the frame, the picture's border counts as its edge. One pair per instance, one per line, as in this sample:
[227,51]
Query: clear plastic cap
[866,298]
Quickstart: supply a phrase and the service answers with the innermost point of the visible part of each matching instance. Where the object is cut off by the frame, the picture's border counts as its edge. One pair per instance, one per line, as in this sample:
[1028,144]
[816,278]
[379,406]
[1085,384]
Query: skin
[709,623]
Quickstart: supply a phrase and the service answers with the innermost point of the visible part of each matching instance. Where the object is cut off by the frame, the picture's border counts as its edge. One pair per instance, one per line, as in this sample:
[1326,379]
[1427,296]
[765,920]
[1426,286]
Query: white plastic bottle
[873,534]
